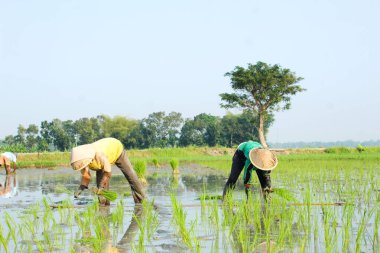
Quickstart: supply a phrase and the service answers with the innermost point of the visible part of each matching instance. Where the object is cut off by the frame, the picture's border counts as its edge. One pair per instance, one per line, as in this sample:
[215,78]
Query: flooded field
[313,211]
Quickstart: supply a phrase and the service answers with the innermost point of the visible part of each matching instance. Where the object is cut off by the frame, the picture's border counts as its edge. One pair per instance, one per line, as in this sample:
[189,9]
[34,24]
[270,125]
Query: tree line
[259,90]
[159,130]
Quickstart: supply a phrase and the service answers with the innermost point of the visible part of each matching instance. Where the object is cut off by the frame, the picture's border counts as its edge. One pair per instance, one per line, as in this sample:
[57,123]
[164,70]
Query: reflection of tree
[8,190]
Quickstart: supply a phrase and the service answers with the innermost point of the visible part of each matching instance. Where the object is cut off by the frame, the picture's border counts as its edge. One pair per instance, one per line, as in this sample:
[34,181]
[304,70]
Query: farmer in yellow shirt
[99,156]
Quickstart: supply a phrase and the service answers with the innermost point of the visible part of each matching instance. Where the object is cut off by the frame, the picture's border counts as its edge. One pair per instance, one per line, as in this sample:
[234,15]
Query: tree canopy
[262,89]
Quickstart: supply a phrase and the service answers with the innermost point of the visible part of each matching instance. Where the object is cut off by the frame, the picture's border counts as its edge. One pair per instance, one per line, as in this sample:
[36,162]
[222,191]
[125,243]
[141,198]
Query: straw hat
[263,159]
[82,156]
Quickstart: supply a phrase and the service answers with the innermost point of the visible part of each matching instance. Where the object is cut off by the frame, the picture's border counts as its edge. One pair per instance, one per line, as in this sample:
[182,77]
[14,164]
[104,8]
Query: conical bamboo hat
[263,159]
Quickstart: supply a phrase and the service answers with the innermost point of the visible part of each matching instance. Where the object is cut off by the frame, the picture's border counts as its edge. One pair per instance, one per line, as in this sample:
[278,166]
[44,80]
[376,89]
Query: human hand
[79,191]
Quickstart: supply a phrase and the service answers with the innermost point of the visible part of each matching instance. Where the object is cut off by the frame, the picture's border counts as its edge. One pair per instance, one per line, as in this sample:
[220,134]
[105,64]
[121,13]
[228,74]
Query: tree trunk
[261,130]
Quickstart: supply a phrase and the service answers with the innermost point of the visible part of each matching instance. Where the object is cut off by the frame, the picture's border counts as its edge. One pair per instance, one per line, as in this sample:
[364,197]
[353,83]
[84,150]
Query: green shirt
[246,147]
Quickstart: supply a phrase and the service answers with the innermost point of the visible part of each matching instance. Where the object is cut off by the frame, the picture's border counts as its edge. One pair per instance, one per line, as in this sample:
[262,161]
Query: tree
[20,137]
[236,128]
[87,130]
[263,89]
[204,129]
[160,130]
[118,127]
[31,137]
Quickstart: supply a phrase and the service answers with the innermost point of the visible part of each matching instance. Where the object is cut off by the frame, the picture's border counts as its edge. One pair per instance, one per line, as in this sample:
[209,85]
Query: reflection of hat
[81,156]
[263,159]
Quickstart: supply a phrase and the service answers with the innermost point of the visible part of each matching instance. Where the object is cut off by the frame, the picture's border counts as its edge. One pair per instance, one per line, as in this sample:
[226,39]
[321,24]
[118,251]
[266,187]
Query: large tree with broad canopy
[262,88]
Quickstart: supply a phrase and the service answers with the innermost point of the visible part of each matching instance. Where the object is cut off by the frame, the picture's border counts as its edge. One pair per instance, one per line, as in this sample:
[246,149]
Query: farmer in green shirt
[252,156]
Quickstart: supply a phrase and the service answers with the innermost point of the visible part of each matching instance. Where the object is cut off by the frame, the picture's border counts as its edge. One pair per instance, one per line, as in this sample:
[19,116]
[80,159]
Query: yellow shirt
[110,147]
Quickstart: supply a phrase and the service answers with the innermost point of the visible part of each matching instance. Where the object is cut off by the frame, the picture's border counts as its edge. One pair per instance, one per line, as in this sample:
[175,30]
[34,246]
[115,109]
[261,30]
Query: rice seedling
[174,163]
[140,168]
[151,219]
[107,194]
[156,163]
[3,240]
[179,217]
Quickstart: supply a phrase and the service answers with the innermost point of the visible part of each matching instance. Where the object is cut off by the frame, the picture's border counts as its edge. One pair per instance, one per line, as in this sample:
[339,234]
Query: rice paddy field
[322,202]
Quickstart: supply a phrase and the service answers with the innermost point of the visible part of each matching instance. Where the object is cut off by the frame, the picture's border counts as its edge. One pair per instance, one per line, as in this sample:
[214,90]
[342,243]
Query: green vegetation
[174,163]
[157,130]
[140,168]
[261,89]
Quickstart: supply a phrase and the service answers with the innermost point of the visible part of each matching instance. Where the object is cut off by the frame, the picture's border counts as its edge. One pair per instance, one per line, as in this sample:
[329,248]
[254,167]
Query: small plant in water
[140,168]
[174,165]
[155,162]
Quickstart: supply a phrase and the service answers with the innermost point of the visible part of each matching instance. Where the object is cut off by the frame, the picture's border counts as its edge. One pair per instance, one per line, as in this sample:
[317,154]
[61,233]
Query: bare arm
[86,177]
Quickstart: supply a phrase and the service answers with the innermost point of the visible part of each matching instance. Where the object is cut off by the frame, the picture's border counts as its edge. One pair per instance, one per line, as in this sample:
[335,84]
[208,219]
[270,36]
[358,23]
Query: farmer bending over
[251,156]
[99,156]
[6,160]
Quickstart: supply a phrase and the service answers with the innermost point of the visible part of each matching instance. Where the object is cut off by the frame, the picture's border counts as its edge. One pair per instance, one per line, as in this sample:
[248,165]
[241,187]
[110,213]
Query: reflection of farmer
[99,156]
[6,160]
[252,157]
[8,190]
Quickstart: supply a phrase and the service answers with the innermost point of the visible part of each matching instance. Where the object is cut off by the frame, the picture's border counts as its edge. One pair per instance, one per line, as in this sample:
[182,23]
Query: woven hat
[82,156]
[263,159]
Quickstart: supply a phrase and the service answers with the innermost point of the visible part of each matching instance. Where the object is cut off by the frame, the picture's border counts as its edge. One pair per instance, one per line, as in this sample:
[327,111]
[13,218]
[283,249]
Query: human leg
[126,168]
[238,161]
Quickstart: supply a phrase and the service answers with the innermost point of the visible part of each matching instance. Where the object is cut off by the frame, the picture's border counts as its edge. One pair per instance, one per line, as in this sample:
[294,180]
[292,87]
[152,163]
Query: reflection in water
[107,245]
[9,189]
[124,244]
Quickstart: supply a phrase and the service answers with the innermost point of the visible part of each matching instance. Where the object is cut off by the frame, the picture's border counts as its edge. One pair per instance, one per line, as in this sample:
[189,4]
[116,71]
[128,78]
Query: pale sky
[78,58]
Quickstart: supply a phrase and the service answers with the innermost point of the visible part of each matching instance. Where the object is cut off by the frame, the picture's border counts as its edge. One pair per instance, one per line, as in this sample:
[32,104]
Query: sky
[82,58]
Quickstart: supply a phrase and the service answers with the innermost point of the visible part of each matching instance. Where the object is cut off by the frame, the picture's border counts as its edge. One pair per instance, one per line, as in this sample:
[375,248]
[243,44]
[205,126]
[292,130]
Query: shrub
[360,148]
[337,150]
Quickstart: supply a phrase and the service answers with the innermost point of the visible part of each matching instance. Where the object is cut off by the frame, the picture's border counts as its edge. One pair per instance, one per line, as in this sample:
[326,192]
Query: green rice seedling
[11,224]
[3,239]
[127,194]
[174,163]
[151,219]
[142,226]
[348,213]
[375,240]
[155,163]
[214,216]
[62,189]
[118,215]
[179,217]
[140,168]
[107,194]
[363,223]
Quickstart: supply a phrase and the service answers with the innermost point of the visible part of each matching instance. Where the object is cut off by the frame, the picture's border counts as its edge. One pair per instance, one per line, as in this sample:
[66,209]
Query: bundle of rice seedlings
[109,195]
[140,168]
[174,164]
[155,162]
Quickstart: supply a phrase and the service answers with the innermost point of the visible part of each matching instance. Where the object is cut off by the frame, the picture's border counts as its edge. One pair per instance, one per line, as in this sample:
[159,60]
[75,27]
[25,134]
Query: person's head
[263,159]
[82,156]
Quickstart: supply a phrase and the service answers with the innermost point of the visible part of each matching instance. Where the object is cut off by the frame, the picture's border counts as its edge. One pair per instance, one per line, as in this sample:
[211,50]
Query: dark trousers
[238,162]
[126,168]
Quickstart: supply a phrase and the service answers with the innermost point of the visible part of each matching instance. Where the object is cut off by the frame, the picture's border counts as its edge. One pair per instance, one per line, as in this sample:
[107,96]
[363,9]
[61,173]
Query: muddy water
[29,186]
[22,192]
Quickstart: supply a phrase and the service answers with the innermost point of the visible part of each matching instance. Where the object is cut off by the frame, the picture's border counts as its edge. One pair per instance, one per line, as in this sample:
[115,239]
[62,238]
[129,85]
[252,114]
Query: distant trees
[261,89]
[157,130]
